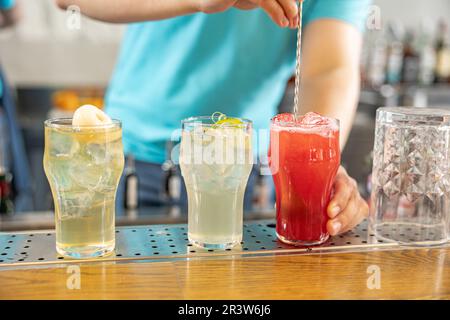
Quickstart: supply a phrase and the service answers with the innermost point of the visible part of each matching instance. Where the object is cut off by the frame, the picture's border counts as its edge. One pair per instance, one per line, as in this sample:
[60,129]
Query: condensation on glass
[410,199]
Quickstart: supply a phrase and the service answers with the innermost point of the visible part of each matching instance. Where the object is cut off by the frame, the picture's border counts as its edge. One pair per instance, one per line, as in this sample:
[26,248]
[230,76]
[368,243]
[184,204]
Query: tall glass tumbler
[304,159]
[410,199]
[83,166]
[215,161]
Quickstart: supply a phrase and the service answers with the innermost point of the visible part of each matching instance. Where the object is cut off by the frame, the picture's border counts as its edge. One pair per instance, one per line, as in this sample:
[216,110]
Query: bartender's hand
[283,12]
[347,208]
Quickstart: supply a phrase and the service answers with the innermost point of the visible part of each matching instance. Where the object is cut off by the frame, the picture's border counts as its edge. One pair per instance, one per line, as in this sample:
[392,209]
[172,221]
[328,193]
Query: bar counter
[350,266]
[411,274]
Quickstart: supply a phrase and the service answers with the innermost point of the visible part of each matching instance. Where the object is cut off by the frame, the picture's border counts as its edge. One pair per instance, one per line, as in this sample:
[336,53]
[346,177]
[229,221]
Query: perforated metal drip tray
[170,242]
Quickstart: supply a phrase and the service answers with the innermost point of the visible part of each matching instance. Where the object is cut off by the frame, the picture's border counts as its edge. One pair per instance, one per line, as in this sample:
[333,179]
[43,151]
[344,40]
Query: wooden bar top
[404,274]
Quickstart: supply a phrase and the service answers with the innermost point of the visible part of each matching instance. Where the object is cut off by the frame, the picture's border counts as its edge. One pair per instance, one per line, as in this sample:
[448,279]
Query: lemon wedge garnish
[221,120]
[93,125]
[89,115]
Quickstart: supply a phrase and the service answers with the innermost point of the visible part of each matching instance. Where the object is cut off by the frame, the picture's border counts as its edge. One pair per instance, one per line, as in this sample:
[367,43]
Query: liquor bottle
[395,54]
[364,58]
[131,200]
[377,62]
[4,142]
[410,68]
[6,203]
[427,55]
[442,70]
[172,182]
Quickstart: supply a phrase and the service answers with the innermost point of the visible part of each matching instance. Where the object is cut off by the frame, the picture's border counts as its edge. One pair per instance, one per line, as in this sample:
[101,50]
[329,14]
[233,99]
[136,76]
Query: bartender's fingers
[344,187]
[296,21]
[356,210]
[361,212]
[275,11]
[290,10]
[245,5]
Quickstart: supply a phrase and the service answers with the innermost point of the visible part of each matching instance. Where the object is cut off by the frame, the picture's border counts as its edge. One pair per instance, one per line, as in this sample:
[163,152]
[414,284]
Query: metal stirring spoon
[298,60]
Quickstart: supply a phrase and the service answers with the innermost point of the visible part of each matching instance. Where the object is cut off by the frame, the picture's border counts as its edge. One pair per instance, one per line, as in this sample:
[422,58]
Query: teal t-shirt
[5,5]
[236,62]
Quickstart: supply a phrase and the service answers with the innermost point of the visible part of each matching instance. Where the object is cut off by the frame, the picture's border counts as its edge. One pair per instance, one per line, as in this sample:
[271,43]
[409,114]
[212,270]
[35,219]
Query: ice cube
[284,117]
[310,122]
[89,169]
[62,145]
[312,118]
[73,204]
[97,152]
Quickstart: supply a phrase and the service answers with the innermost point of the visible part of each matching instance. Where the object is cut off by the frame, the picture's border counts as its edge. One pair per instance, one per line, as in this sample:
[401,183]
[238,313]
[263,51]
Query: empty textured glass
[410,199]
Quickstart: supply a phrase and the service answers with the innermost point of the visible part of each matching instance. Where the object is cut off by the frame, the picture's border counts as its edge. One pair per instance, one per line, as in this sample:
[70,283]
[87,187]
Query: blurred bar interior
[53,70]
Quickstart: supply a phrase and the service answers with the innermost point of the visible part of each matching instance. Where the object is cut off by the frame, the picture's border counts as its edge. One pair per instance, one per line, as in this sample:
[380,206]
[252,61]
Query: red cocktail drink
[304,157]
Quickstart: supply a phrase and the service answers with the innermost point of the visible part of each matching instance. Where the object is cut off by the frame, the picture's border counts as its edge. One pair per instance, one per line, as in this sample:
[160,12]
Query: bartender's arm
[330,86]
[9,13]
[283,12]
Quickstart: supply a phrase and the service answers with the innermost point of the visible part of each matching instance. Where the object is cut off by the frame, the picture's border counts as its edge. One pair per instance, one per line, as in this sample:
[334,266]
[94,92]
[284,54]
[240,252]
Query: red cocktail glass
[304,156]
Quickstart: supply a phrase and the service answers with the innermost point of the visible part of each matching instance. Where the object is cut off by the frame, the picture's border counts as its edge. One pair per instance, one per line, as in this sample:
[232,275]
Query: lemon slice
[89,115]
[92,125]
[232,121]
[218,116]
[221,120]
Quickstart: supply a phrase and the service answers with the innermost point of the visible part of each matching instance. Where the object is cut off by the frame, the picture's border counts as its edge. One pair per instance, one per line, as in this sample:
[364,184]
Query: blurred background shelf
[41,57]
